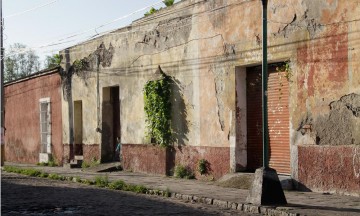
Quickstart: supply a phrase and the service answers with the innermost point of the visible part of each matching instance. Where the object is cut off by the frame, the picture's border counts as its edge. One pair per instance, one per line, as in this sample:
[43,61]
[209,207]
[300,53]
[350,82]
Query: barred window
[45,125]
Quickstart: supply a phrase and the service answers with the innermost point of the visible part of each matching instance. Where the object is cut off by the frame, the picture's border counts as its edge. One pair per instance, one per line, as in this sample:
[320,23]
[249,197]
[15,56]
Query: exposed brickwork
[330,168]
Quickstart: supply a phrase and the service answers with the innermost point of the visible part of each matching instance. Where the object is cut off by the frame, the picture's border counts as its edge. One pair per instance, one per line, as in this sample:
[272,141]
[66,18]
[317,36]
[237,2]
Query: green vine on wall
[80,65]
[157,106]
[286,67]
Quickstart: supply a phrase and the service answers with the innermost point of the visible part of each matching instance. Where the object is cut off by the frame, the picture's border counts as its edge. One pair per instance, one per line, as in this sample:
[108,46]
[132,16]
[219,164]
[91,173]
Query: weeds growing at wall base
[183,172]
[99,181]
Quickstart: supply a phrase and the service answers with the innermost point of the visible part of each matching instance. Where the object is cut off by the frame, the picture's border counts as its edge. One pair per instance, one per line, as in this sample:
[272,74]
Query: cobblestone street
[24,195]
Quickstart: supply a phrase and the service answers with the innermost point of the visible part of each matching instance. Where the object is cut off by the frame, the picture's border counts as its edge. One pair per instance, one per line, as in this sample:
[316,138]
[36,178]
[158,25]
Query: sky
[55,21]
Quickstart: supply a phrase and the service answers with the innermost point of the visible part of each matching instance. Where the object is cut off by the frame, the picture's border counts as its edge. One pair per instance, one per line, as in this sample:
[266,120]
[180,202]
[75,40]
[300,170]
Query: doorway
[278,118]
[78,128]
[110,122]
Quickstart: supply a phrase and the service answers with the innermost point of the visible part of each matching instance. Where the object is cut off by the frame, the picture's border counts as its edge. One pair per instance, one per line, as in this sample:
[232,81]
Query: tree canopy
[52,61]
[20,62]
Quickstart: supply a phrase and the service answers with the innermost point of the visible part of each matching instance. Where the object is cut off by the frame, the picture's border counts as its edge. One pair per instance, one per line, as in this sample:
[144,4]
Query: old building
[33,118]
[212,49]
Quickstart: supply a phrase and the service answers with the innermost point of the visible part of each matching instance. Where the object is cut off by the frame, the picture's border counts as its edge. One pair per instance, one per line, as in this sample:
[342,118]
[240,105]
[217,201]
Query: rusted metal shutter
[278,119]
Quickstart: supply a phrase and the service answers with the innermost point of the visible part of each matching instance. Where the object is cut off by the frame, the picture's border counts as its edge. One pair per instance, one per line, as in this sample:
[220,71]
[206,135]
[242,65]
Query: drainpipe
[97,95]
[264,87]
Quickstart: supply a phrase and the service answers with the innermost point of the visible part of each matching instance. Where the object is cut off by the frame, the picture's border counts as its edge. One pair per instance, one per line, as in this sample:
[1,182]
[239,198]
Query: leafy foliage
[92,163]
[55,176]
[52,61]
[168,3]
[157,106]
[286,67]
[80,65]
[151,11]
[101,181]
[20,62]
[203,166]
[51,163]
[183,172]
[117,185]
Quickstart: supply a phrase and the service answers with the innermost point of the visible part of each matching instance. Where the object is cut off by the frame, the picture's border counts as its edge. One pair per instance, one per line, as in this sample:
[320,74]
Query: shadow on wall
[179,124]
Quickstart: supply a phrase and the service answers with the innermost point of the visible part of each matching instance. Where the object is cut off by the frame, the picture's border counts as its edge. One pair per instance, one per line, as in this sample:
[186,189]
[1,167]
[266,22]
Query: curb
[244,207]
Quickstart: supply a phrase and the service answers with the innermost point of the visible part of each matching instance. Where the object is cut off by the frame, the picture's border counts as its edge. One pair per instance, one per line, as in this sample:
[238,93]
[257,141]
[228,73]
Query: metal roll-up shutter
[278,119]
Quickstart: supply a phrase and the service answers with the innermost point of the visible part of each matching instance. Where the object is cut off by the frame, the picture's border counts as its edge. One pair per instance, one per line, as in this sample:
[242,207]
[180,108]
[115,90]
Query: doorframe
[45,155]
[235,148]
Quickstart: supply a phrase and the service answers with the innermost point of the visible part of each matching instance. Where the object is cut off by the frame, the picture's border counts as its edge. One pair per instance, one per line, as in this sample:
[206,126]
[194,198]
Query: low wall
[333,169]
[145,158]
[156,160]
[217,157]
[89,152]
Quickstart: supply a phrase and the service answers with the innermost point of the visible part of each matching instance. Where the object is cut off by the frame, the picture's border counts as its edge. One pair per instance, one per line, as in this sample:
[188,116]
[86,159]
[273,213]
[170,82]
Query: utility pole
[2,87]
[264,87]
[266,188]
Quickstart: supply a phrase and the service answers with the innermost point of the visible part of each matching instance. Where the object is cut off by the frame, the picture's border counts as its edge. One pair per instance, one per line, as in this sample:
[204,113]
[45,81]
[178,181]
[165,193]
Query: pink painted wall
[155,160]
[334,169]
[22,116]
[144,158]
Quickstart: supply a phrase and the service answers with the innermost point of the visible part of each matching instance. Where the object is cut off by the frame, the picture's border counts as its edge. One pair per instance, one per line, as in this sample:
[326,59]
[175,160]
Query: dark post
[264,86]
[266,188]
[2,87]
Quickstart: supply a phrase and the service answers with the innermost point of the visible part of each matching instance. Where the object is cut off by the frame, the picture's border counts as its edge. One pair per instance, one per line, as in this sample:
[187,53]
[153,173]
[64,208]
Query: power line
[112,30]
[102,25]
[31,9]
[76,34]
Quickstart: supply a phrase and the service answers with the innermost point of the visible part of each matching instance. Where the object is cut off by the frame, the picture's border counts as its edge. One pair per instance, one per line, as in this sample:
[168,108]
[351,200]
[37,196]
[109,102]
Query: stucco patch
[341,126]
[166,34]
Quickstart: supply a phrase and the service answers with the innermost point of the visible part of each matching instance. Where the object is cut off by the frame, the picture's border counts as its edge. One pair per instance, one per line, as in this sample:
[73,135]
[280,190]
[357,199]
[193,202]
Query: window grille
[45,125]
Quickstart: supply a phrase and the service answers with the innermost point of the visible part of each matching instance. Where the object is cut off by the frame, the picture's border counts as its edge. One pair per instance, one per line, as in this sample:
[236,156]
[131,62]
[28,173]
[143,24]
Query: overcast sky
[54,20]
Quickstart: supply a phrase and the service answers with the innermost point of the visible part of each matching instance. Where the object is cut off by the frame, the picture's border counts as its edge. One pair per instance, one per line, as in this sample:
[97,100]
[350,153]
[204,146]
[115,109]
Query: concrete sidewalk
[300,203]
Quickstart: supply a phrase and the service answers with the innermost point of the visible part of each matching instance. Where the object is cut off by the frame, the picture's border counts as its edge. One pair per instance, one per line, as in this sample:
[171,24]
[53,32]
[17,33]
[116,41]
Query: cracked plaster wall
[201,42]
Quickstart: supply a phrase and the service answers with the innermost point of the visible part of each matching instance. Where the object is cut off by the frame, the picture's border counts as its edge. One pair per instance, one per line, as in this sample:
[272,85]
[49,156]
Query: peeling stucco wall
[200,43]
[342,125]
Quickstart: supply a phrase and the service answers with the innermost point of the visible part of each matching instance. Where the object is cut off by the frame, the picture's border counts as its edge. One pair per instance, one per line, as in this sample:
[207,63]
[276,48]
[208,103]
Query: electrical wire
[113,31]
[61,40]
[31,9]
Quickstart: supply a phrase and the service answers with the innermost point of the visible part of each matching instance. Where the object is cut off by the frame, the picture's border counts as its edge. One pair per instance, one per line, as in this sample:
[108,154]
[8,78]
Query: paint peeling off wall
[340,127]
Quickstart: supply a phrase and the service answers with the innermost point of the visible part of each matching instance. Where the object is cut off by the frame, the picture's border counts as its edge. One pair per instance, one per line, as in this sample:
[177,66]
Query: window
[45,125]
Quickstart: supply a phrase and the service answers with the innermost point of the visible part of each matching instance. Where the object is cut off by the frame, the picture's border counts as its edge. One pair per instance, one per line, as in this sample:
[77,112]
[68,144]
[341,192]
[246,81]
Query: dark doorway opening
[78,128]
[110,122]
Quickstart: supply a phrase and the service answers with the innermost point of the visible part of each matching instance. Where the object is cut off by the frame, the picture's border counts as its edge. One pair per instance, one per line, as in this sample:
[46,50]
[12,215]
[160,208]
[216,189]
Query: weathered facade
[212,49]
[33,118]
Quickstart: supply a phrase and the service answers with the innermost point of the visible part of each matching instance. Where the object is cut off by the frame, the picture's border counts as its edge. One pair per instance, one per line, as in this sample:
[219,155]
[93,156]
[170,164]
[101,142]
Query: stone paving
[300,203]
[26,195]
